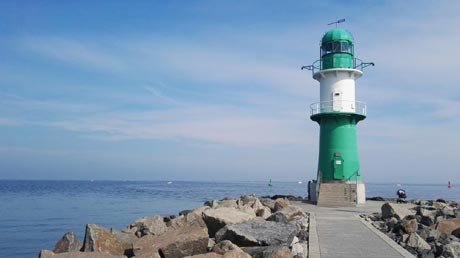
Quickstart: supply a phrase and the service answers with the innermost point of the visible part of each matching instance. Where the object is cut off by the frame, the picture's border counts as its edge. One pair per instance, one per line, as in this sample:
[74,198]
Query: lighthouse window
[326,48]
[336,47]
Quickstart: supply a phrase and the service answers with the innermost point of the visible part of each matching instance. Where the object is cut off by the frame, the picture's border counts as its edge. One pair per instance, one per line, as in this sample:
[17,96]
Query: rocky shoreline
[427,229]
[265,227]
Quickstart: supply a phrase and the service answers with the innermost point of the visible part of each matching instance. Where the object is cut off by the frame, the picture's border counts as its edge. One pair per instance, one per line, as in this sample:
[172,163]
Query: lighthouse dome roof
[337,35]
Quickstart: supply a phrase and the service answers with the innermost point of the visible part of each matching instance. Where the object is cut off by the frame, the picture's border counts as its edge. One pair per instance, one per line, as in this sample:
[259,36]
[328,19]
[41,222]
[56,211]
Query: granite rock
[68,243]
[49,254]
[176,243]
[252,233]
[154,225]
[99,239]
[216,219]
[395,210]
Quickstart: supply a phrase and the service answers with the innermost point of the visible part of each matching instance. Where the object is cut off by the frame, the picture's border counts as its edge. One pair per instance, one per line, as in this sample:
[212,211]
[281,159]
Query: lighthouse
[339,180]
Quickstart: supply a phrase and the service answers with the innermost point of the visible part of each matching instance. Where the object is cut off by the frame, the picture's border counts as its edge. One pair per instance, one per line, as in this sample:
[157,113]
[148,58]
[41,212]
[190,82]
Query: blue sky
[212,90]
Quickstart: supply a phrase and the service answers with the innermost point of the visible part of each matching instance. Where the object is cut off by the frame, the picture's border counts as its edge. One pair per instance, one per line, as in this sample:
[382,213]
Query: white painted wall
[340,82]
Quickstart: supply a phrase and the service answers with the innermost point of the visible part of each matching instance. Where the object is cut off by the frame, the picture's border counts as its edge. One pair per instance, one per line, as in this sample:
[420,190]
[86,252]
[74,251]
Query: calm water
[35,214]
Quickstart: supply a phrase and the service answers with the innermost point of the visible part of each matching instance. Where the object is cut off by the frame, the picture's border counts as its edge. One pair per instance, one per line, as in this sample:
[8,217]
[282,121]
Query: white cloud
[222,125]
[75,52]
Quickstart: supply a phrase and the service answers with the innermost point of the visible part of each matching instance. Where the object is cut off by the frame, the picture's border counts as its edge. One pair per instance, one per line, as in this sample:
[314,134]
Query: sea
[34,215]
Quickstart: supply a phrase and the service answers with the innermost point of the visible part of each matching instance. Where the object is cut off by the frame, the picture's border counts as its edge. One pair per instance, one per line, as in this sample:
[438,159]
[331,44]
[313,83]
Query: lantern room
[337,49]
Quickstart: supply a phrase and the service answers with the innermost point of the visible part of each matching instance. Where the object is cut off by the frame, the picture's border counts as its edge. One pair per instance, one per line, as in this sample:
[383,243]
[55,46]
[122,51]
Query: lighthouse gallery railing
[357,107]
[318,65]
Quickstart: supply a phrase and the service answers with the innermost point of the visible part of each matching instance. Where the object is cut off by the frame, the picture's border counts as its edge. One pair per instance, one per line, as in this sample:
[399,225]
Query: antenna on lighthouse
[337,22]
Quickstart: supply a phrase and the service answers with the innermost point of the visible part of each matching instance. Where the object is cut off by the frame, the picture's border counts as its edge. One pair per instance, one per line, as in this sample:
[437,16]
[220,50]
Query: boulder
[249,199]
[267,202]
[207,255]
[395,210]
[259,209]
[99,239]
[278,217]
[226,203]
[68,243]
[300,249]
[236,254]
[301,225]
[175,243]
[191,219]
[49,254]
[199,211]
[148,226]
[225,246]
[427,211]
[416,242]
[439,205]
[409,224]
[216,219]
[447,226]
[448,211]
[451,250]
[292,212]
[281,203]
[269,252]
[252,233]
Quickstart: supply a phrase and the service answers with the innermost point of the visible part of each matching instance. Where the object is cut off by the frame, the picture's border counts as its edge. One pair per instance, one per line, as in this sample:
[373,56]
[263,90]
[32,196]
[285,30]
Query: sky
[213,91]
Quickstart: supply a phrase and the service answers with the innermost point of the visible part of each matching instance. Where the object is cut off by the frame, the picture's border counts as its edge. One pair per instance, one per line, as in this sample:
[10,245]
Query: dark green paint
[338,143]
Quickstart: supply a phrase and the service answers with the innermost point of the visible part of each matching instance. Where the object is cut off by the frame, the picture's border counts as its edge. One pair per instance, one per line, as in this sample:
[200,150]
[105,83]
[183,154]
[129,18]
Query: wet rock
[394,210]
[49,254]
[148,226]
[216,219]
[176,243]
[99,239]
[254,233]
[68,243]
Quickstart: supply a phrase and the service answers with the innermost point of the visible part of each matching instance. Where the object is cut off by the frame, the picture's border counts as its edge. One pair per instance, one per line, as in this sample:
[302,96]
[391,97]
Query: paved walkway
[341,233]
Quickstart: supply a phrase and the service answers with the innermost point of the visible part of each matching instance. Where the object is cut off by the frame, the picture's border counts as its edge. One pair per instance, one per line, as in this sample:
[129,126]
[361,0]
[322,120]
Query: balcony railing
[318,65]
[338,106]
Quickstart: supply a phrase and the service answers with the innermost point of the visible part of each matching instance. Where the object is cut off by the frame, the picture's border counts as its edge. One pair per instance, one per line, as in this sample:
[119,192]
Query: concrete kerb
[313,243]
[389,241]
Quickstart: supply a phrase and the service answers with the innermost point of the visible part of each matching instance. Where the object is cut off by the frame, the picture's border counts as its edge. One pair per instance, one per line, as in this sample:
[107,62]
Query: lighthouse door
[337,100]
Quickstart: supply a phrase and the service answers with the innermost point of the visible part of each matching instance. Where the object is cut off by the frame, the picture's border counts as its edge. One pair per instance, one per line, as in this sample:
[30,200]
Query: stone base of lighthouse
[341,194]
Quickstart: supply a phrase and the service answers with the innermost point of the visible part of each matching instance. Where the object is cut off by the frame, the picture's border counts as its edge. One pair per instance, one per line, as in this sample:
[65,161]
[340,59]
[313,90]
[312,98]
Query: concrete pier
[340,232]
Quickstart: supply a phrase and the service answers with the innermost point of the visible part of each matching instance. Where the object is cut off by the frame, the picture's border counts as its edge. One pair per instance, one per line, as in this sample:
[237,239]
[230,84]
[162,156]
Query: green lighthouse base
[339,177]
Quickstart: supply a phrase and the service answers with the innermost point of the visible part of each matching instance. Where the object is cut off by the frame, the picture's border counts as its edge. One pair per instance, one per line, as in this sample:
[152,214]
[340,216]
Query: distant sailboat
[270,183]
[299,182]
[449,185]
[169,182]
